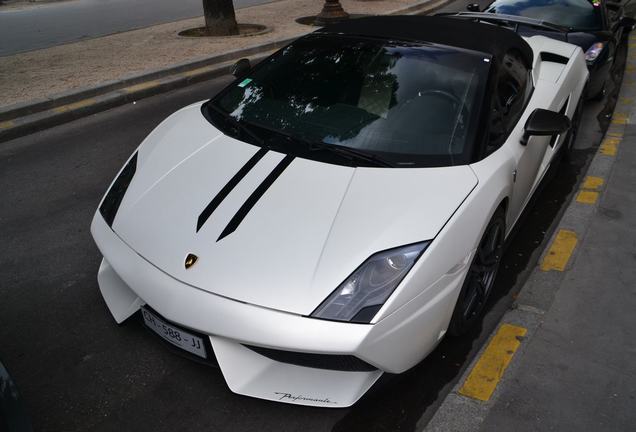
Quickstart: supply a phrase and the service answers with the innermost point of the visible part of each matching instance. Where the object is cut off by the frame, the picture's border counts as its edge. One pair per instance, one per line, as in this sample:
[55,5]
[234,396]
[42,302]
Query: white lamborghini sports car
[341,206]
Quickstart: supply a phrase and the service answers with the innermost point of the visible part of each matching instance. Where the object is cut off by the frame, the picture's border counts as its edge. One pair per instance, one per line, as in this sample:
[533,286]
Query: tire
[596,96]
[481,277]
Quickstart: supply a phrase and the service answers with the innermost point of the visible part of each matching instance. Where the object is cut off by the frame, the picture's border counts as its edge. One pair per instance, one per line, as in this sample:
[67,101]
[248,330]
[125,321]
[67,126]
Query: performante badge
[190,260]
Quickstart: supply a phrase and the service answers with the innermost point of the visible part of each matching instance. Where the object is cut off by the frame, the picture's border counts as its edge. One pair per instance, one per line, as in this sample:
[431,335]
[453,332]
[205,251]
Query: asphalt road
[49,24]
[79,371]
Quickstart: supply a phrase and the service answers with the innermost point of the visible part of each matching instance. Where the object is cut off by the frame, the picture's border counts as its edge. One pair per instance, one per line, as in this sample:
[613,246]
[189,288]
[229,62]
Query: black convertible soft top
[482,37]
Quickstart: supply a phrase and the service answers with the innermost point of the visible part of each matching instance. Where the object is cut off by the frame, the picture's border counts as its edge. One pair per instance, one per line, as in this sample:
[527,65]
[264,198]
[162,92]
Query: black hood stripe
[223,193]
[256,195]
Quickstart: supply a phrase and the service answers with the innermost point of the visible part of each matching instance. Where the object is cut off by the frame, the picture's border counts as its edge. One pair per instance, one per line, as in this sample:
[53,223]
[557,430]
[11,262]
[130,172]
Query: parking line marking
[7,124]
[609,146]
[592,183]
[587,197]
[142,86]
[75,105]
[492,364]
[560,251]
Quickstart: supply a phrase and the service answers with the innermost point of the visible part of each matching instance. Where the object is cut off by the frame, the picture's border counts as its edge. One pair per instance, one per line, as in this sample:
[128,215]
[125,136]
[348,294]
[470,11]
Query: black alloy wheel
[598,95]
[480,278]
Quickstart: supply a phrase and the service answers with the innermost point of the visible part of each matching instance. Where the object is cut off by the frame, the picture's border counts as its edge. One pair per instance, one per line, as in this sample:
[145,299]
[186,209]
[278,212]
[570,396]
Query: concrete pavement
[563,358]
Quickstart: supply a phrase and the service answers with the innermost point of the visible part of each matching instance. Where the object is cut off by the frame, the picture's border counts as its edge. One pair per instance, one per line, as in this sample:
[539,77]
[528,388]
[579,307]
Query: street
[36,27]
[78,370]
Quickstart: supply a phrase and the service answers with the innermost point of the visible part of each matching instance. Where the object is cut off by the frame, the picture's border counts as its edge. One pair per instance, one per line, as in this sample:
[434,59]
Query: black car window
[512,92]
[411,104]
[580,15]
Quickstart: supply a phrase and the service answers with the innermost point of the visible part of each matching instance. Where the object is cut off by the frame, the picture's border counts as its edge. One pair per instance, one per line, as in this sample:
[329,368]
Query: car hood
[298,239]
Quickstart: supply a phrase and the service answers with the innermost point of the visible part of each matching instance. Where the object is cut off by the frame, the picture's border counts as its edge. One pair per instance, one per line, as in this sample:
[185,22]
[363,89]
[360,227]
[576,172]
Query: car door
[513,90]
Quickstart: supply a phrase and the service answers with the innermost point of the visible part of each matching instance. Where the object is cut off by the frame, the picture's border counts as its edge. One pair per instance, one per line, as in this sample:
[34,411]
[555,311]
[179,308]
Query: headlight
[594,51]
[364,292]
[116,193]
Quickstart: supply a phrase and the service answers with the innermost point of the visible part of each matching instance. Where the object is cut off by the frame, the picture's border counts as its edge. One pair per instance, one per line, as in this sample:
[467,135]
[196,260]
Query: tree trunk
[332,12]
[220,19]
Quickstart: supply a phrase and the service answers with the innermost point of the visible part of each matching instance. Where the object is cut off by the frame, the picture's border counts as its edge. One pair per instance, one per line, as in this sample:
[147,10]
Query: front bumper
[394,344]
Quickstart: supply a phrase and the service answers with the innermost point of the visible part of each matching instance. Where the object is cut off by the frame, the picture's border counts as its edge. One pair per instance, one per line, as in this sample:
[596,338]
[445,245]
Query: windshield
[411,105]
[579,15]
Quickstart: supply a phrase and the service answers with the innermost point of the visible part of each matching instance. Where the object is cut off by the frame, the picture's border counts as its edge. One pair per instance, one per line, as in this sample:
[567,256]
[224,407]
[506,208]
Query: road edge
[28,117]
[461,413]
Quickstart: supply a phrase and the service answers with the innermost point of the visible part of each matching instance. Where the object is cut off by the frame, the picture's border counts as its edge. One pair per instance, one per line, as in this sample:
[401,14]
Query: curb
[24,118]
[458,412]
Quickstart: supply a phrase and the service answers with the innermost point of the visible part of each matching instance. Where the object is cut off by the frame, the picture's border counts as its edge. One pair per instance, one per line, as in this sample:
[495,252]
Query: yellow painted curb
[609,146]
[142,86]
[492,364]
[75,105]
[587,197]
[7,124]
[620,119]
[592,183]
[198,71]
[589,190]
[560,251]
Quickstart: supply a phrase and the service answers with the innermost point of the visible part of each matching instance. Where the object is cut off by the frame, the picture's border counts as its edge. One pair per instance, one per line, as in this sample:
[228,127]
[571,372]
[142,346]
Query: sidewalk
[47,72]
[571,341]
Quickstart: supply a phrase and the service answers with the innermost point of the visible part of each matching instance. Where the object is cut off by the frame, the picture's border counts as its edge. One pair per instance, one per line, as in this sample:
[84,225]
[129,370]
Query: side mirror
[473,7]
[545,123]
[241,68]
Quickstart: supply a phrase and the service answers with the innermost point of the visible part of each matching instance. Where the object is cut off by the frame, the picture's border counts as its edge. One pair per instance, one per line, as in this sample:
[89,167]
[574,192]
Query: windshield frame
[319,153]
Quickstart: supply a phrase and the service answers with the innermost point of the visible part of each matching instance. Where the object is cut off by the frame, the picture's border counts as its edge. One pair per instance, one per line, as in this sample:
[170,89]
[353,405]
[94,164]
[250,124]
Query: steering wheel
[444,94]
[451,97]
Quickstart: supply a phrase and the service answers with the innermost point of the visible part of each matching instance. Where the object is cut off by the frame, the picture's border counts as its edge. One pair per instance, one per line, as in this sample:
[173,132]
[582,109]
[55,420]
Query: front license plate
[174,335]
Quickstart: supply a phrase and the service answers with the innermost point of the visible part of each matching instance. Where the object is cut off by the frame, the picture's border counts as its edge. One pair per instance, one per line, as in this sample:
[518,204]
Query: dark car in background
[596,26]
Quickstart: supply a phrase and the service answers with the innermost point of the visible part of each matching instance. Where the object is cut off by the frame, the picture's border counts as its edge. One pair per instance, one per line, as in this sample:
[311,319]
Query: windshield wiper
[342,151]
[238,125]
[351,153]
[281,134]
